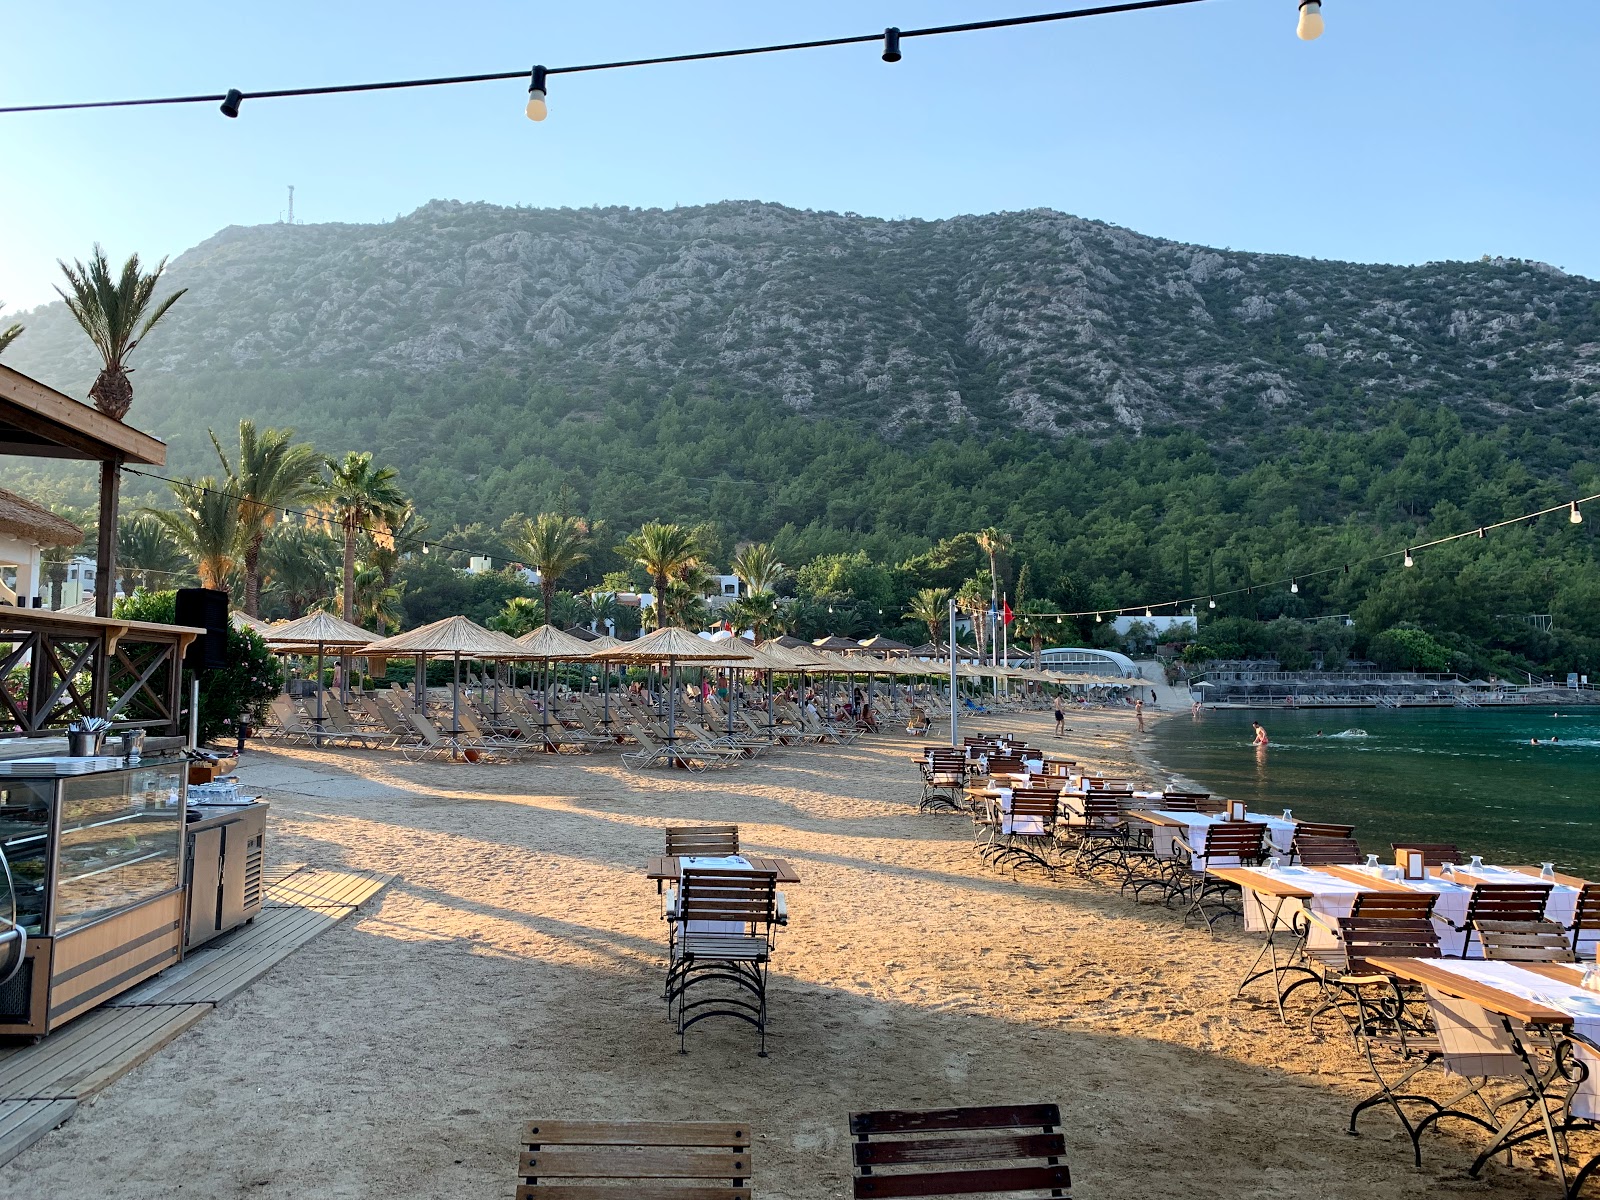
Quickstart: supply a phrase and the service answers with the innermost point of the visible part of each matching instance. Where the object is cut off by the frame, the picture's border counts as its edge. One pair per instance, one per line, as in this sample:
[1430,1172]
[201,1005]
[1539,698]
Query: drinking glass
[1288,814]
[1272,864]
[1372,861]
[1477,863]
[1446,870]
[1547,871]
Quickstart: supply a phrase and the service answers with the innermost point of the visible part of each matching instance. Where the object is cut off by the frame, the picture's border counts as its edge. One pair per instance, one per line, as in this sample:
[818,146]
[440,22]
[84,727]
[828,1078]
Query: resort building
[26,529]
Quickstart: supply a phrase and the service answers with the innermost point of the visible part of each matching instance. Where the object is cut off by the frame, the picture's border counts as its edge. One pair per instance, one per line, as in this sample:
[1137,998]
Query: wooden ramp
[41,1084]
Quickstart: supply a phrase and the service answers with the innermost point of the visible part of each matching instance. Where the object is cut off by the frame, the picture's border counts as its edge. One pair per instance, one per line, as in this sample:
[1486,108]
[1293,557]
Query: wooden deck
[41,1084]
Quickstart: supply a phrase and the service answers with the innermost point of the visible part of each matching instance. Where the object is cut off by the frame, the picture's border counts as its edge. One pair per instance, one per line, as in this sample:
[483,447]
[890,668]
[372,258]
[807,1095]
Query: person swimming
[1318,733]
[1261,734]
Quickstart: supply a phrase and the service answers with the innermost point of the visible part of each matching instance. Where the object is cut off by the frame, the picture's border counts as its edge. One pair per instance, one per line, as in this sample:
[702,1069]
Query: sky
[1413,130]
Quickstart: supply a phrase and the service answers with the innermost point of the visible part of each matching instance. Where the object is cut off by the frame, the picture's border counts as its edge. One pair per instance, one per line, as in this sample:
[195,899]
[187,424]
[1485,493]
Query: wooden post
[105,567]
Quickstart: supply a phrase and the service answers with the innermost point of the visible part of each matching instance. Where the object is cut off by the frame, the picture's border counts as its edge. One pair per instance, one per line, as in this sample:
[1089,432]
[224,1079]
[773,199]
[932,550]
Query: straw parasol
[243,620]
[835,642]
[315,632]
[671,644]
[457,637]
[604,641]
[546,644]
[579,632]
[883,645]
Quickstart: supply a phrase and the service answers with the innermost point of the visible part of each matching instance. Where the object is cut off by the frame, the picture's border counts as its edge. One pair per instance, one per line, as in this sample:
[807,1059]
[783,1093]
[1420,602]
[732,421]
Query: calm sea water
[1448,775]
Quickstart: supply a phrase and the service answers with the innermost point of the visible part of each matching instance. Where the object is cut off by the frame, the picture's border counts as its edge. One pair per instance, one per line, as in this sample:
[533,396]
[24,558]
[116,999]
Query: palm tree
[552,544]
[993,543]
[522,614]
[271,473]
[683,605]
[758,568]
[1037,629]
[206,528]
[377,605]
[668,552]
[758,612]
[361,499]
[973,599]
[9,334]
[384,550]
[931,606]
[146,554]
[111,312]
[298,563]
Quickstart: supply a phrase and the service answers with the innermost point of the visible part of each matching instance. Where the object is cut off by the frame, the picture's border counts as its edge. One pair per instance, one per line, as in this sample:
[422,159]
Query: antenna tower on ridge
[291,204]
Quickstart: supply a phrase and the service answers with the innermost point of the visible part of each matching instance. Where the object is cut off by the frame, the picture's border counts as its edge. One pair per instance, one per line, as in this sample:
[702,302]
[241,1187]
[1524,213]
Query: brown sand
[514,971]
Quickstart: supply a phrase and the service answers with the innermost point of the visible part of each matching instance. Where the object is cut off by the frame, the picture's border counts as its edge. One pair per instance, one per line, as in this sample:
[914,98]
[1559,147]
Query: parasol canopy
[317,629]
[881,645]
[671,643]
[835,642]
[454,636]
[549,642]
[604,641]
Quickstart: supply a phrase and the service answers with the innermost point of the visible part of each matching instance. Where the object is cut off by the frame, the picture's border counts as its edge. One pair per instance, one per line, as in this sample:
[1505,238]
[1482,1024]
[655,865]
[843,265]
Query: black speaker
[209,610]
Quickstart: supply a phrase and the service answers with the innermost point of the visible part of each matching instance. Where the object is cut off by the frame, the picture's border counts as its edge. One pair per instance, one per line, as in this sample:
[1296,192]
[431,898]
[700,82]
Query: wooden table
[1529,1012]
[665,868]
[1364,881]
[1281,892]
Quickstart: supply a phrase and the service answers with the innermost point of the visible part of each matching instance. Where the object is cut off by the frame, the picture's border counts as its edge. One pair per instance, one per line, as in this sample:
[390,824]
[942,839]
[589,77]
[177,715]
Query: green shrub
[247,684]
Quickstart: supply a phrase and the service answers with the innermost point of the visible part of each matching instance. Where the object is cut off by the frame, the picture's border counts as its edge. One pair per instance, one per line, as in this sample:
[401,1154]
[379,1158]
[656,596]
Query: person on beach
[1261,734]
[1138,713]
[1061,717]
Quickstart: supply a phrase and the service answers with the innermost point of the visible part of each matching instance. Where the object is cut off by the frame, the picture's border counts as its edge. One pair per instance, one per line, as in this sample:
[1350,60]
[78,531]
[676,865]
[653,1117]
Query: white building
[25,529]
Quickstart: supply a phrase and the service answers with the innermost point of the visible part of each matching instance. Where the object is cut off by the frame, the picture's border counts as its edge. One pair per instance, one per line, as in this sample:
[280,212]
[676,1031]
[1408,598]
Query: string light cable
[1408,555]
[1309,28]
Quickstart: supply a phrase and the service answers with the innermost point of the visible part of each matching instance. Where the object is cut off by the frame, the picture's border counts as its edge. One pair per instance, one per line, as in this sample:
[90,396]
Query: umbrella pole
[732,697]
[771,724]
[672,702]
[605,695]
[319,694]
[455,698]
[422,683]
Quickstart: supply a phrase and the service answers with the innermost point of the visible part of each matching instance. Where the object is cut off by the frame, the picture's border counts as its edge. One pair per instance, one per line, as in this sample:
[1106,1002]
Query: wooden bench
[636,1160]
[1014,1149]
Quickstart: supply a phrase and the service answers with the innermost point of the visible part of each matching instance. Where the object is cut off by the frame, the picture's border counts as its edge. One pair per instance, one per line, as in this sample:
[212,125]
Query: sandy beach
[513,971]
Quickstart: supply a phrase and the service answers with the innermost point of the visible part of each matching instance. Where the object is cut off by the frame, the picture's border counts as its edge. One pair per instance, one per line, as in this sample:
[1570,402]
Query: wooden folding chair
[1501,902]
[1317,851]
[1321,829]
[1434,854]
[1228,843]
[702,841]
[1525,941]
[1002,1149]
[635,1160]
[1585,918]
[724,922]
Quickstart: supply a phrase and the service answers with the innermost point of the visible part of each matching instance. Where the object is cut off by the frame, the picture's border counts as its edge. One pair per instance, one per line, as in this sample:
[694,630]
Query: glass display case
[91,870]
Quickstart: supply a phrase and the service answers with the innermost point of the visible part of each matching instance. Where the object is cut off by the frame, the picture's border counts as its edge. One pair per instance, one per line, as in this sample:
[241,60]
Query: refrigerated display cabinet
[92,870]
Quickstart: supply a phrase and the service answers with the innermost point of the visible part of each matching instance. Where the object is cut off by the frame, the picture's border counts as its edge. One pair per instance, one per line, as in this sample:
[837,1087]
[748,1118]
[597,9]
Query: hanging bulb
[1294,586]
[1097,618]
[1147,612]
[537,109]
[1211,603]
[230,103]
[1058,620]
[1575,516]
[1410,562]
[891,45]
[1310,27]
[1481,533]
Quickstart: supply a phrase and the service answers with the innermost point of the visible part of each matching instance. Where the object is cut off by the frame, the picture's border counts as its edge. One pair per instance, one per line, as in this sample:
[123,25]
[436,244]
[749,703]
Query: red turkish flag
[1006,614]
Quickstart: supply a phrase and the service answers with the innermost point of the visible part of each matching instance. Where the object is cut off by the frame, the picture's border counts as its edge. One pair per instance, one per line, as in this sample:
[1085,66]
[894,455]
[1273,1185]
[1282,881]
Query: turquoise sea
[1471,776]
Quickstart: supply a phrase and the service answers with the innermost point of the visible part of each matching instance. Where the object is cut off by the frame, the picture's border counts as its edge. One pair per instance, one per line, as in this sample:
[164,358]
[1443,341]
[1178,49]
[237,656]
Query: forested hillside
[1145,419]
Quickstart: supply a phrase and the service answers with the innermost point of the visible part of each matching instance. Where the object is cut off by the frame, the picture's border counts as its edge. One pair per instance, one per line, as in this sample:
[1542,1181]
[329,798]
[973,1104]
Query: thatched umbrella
[671,644]
[883,645]
[547,644]
[604,641]
[457,637]
[315,632]
[835,642]
[243,620]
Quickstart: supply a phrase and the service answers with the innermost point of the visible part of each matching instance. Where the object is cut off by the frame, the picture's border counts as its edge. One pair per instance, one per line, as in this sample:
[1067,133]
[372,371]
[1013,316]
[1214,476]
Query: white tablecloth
[1280,833]
[1335,897]
[732,862]
[1583,1007]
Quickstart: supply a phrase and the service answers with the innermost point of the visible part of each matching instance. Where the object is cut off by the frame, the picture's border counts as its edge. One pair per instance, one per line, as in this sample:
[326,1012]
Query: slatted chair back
[1321,829]
[1586,916]
[711,894]
[1525,941]
[1212,805]
[1006,1149]
[1319,851]
[635,1160]
[702,841]
[1243,840]
[1389,925]
[1507,902]
[1172,801]
[1033,812]
[1005,764]
[1061,767]
[1103,809]
[1433,853]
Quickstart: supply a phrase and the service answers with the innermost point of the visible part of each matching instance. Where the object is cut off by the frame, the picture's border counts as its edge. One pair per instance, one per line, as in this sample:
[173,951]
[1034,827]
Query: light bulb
[1211,603]
[537,109]
[1410,562]
[1575,516]
[1147,612]
[1097,617]
[1294,587]
[1310,27]
[424,547]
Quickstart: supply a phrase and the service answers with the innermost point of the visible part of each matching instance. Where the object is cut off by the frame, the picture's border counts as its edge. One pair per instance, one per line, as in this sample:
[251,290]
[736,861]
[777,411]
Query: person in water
[1533,741]
[1261,734]
[1319,733]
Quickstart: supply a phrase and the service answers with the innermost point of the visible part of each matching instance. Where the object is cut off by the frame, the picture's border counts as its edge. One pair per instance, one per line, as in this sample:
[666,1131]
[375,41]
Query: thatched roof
[317,629]
[242,620]
[31,522]
[604,641]
[453,635]
[669,644]
[549,642]
[579,632]
[835,642]
[880,644]
[792,643]
[794,657]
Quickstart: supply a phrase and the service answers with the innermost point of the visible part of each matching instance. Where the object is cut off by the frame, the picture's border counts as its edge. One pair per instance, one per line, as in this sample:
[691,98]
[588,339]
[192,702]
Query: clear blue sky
[1413,130]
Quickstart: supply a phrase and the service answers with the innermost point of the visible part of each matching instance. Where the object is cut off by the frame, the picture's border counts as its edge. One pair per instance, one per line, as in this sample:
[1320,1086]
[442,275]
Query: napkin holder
[1236,810]
[1410,864]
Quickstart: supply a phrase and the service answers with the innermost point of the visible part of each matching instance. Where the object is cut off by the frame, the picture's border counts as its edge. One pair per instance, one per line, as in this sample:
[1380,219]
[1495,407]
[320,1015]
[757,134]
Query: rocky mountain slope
[1032,320]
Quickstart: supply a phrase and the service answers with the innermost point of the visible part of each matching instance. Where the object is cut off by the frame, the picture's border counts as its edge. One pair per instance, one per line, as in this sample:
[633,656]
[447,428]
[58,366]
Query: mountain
[1034,320]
